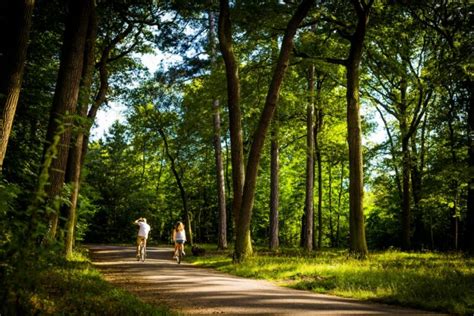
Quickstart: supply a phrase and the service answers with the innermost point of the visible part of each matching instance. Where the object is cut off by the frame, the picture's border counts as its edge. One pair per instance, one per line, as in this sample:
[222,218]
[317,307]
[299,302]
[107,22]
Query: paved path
[194,290]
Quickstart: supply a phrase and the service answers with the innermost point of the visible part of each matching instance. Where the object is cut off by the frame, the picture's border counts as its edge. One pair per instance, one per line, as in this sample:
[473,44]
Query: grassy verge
[70,287]
[431,281]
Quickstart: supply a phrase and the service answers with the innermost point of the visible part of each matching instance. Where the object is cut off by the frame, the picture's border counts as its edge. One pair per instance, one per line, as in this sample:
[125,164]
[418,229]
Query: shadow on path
[194,290]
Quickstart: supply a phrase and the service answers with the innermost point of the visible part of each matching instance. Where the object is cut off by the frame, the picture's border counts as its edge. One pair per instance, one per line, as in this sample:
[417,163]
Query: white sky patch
[159,60]
[106,117]
[379,134]
[116,111]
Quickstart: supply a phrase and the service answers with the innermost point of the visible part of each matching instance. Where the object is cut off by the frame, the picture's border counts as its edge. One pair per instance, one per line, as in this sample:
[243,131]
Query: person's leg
[138,246]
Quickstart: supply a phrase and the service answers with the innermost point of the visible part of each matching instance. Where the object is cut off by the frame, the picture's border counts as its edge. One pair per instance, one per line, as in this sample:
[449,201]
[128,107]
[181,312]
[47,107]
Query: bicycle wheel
[180,254]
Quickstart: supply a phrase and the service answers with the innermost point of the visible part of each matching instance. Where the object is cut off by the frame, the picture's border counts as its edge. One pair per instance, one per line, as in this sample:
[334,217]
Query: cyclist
[179,237]
[143,231]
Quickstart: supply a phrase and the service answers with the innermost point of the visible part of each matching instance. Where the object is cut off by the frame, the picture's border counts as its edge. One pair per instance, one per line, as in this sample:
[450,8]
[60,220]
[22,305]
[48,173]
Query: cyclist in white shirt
[143,231]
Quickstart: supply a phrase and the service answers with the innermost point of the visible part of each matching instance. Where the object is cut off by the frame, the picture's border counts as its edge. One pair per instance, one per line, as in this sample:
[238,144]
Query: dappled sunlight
[206,291]
[429,280]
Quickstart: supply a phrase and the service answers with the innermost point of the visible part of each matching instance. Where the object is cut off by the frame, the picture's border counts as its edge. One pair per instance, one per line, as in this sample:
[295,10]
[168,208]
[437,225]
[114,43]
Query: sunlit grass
[432,281]
[71,287]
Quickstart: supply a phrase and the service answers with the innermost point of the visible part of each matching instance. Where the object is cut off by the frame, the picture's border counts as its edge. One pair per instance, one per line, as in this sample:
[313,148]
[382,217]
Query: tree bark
[182,191]
[274,188]
[12,66]
[341,182]
[406,165]
[358,244]
[469,242]
[408,133]
[75,154]
[259,136]
[79,150]
[320,193]
[454,182]
[65,101]
[406,211]
[317,128]
[419,234]
[331,226]
[222,230]
[310,143]
[235,116]
[393,152]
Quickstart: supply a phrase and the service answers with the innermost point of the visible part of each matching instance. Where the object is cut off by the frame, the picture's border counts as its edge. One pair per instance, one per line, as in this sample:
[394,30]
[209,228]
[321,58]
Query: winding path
[194,290]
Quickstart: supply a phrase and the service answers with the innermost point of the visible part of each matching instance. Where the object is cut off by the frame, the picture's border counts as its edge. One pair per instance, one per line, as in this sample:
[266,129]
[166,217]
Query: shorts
[179,241]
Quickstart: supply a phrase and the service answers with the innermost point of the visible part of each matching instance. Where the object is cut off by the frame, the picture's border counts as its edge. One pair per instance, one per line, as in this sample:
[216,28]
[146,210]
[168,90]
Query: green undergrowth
[431,281]
[67,287]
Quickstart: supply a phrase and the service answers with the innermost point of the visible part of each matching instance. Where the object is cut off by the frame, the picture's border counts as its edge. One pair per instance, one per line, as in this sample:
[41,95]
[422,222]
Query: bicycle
[180,254]
[141,251]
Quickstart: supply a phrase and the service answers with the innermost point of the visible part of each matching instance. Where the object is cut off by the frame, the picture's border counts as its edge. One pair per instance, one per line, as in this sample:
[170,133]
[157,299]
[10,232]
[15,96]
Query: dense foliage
[416,97]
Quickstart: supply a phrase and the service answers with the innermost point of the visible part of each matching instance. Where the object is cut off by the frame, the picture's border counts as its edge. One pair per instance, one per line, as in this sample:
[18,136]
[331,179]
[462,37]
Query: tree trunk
[65,101]
[182,191]
[331,227]
[469,242]
[79,150]
[235,117]
[75,154]
[260,133]
[419,234]
[12,66]
[310,143]
[393,152]
[338,237]
[222,230]
[274,190]
[358,244]
[406,166]
[454,182]
[406,212]
[317,150]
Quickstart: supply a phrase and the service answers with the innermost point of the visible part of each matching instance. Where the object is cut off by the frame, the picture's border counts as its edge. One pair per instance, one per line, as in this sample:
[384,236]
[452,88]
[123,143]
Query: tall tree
[65,100]
[235,116]
[221,201]
[74,166]
[401,91]
[274,185]
[243,227]
[358,244]
[222,231]
[355,37]
[12,63]
[182,191]
[309,199]
[469,244]
[317,154]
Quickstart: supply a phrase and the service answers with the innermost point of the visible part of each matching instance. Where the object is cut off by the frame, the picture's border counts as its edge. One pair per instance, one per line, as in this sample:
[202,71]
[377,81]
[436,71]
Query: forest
[312,125]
